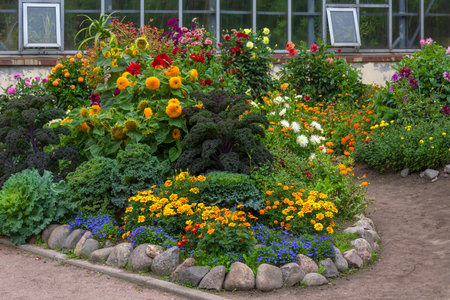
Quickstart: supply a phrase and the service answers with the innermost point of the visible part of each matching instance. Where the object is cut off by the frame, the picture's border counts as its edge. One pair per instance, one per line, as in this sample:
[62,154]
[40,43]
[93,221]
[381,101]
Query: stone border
[146,281]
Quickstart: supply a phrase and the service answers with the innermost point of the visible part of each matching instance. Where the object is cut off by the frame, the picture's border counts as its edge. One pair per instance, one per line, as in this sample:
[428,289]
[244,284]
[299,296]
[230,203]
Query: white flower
[295,126]
[247,31]
[253,103]
[278,100]
[249,45]
[324,150]
[266,31]
[316,125]
[282,112]
[312,157]
[269,49]
[272,113]
[299,97]
[287,105]
[284,123]
[315,139]
[302,140]
[266,40]
[253,57]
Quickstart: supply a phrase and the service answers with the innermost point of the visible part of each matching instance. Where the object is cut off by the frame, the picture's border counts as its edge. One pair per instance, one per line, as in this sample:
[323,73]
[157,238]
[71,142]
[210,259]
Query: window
[41,25]
[344,27]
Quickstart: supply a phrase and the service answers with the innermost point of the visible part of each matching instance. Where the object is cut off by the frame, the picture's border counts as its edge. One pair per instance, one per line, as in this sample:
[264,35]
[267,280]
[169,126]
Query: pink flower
[307,98]
[37,78]
[446,76]
[292,52]
[290,45]
[422,42]
[17,75]
[448,51]
[429,41]
[208,41]
[313,48]
[11,90]
[330,60]
[194,20]
[44,80]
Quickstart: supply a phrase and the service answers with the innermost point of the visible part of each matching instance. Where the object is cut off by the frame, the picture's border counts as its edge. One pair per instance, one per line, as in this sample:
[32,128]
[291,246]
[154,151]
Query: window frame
[330,10]
[57,7]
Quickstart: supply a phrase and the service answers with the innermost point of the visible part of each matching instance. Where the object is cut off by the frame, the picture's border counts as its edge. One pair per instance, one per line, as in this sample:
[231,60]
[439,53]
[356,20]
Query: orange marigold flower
[79,55]
[176,134]
[173,110]
[148,113]
[122,83]
[67,74]
[80,79]
[55,82]
[152,83]
[270,129]
[194,75]
[172,71]
[72,87]
[174,101]
[284,86]
[175,82]
[84,127]
[346,152]
[364,183]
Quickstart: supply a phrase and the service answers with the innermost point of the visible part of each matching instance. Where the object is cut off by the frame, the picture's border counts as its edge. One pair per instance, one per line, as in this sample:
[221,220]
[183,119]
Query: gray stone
[361,243]
[268,278]
[292,273]
[119,255]
[375,236]
[89,246]
[47,231]
[81,242]
[365,224]
[330,268]
[447,169]
[58,236]
[353,229]
[138,260]
[214,279]
[339,260]
[306,264]
[108,243]
[404,173]
[72,239]
[153,251]
[366,235]
[188,262]
[353,259]
[430,174]
[192,275]
[376,247]
[312,279]
[101,255]
[364,253]
[240,278]
[165,263]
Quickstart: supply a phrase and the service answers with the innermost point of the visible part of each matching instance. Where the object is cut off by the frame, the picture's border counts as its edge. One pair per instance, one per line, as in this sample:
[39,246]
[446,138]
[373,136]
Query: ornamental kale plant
[224,135]
[28,203]
[137,170]
[27,141]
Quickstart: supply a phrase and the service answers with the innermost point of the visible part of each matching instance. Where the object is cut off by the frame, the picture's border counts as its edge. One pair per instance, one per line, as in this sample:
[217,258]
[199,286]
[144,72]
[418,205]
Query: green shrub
[228,190]
[89,187]
[396,147]
[223,136]
[28,203]
[136,170]
[322,76]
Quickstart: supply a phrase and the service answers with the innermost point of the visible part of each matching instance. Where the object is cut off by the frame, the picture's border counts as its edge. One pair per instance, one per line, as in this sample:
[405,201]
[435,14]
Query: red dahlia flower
[313,48]
[162,60]
[134,68]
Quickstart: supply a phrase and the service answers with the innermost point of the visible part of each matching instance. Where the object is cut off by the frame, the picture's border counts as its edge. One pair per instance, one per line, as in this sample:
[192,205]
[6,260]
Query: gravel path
[412,216]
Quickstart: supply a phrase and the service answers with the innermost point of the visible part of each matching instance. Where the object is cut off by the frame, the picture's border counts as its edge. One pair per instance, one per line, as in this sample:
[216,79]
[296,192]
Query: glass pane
[82,4]
[373,28]
[123,5]
[437,26]
[129,11]
[161,5]
[273,15]
[41,25]
[303,26]
[8,4]
[343,27]
[160,11]
[159,20]
[406,24]
[8,31]
[235,14]
[72,24]
[203,10]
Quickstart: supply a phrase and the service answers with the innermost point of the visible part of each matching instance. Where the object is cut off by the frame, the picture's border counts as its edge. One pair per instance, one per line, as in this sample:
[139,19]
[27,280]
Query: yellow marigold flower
[201,178]
[148,113]
[269,193]
[312,222]
[211,231]
[94,109]
[318,226]
[141,219]
[288,218]
[300,214]
[172,71]
[421,141]
[320,216]
[84,112]
[194,75]
[152,83]
[78,55]
[194,190]
[173,110]
[168,183]
[174,101]
[176,134]
[175,82]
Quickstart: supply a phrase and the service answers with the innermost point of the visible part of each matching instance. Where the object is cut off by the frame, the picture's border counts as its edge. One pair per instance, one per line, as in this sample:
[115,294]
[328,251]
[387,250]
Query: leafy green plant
[223,136]
[229,190]
[136,170]
[320,76]
[89,187]
[28,203]
[97,30]
[27,140]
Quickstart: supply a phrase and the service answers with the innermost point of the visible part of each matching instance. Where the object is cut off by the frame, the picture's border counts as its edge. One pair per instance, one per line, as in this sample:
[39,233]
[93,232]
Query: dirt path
[411,214]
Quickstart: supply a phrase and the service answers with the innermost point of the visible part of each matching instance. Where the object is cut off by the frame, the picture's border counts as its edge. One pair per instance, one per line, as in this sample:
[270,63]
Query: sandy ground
[412,216]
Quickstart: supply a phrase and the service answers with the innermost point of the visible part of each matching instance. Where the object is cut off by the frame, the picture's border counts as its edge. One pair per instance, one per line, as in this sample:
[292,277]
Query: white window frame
[355,22]
[27,44]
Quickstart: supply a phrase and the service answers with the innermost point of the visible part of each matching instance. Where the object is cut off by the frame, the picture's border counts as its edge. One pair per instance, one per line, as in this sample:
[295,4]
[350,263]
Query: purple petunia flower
[413,83]
[37,78]
[11,90]
[395,77]
[17,75]
[446,75]
[391,89]
[445,110]
[405,72]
